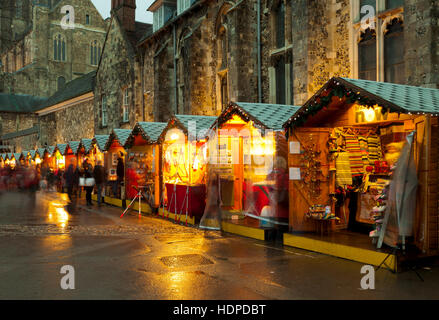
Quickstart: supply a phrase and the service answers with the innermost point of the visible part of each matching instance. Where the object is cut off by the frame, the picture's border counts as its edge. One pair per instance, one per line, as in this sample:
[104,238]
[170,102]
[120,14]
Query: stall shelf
[363,161]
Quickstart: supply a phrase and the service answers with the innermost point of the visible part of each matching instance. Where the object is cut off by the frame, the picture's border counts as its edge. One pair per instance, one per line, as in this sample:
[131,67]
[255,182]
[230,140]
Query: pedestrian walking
[89,181]
[71,177]
[120,171]
[99,175]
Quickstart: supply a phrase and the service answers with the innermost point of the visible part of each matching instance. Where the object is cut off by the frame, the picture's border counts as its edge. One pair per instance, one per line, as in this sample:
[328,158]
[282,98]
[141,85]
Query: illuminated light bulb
[369,114]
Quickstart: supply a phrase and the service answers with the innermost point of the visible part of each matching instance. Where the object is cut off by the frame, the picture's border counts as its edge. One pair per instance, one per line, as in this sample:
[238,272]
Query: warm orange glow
[236,120]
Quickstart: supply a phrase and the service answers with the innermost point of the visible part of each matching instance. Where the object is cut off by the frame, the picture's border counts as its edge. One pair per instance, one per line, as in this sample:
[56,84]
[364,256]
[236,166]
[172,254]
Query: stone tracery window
[279,18]
[380,48]
[59,48]
[394,71]
[95,52]
[367,58]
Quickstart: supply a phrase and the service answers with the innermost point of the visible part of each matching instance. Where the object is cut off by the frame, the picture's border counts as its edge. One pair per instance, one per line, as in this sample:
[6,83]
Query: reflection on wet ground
[151,258]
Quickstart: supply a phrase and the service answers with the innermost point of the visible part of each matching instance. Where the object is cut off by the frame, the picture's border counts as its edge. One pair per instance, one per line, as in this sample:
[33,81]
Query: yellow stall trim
[338,250]
[174,217]
[249,232]
[145,207]
[113,201]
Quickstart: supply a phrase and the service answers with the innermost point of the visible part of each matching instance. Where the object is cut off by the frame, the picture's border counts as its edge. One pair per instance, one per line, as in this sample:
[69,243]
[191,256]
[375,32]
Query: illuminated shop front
[91,151]
[184,152]
[144,161]
[41,156]
[99,143]
[18,157]
[2,160]
[74,152]
[248,165]
[49,157]
[361,157]
[10,161]
[32,158]
[114,150]
[60,155]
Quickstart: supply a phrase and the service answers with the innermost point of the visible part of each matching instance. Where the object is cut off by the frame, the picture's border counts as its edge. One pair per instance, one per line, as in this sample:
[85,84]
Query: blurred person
[132,180]
[88,174]
[99,175]
[71,177]
[120,171]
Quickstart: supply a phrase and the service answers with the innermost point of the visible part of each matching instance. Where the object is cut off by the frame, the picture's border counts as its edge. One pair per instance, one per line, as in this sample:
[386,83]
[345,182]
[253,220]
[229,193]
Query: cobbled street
[151,258]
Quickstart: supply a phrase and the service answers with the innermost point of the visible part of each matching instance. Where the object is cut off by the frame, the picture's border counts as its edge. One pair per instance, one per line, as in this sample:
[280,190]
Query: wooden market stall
[344,145]
[32,158]
[25,158]
[114,150]
[10,161]
[18,158]
[248,155]
[184,154]
[73,153]
[144,152]
[41,156]
[2,160]
[63,154]
[99,143]
[89,149]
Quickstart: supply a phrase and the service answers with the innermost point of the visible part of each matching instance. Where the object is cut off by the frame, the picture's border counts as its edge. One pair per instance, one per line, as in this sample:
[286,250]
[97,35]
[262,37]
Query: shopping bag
[89,182]
[82,182]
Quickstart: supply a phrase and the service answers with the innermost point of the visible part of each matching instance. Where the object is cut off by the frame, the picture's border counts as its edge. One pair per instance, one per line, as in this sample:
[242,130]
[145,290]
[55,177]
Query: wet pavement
[151,258]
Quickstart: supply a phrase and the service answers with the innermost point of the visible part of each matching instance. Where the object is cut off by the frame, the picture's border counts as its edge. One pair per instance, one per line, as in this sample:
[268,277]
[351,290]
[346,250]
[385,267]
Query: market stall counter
[144,160]
[184,153]
[359,158]
[248,165]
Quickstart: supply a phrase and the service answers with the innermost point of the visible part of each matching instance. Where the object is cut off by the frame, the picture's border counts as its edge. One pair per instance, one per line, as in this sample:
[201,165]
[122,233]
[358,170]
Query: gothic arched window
[367,57]
[394,70]
[59,48]
[95,53]
[279,15]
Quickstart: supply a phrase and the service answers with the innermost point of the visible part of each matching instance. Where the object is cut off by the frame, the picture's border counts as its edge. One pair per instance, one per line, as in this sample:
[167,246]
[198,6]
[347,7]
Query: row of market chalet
[355,167]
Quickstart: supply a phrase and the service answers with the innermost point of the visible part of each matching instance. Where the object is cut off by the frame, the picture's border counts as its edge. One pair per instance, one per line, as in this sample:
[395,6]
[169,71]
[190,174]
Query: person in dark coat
[120,171]
[88,173]
[71,177]
[99,175]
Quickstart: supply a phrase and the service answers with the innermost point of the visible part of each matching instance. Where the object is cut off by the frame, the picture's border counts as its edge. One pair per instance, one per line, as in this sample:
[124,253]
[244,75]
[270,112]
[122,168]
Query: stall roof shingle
[121,135]
[87,144]
[152,130]
[394,97]
[202,123]
[50,149]
[270,116]
[74,145]
[41,152]
[17,156]
[101,141]
[32,154]
[408,98]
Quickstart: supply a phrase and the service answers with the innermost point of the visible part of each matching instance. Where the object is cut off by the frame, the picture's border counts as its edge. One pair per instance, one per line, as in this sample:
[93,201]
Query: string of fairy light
[337,89]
